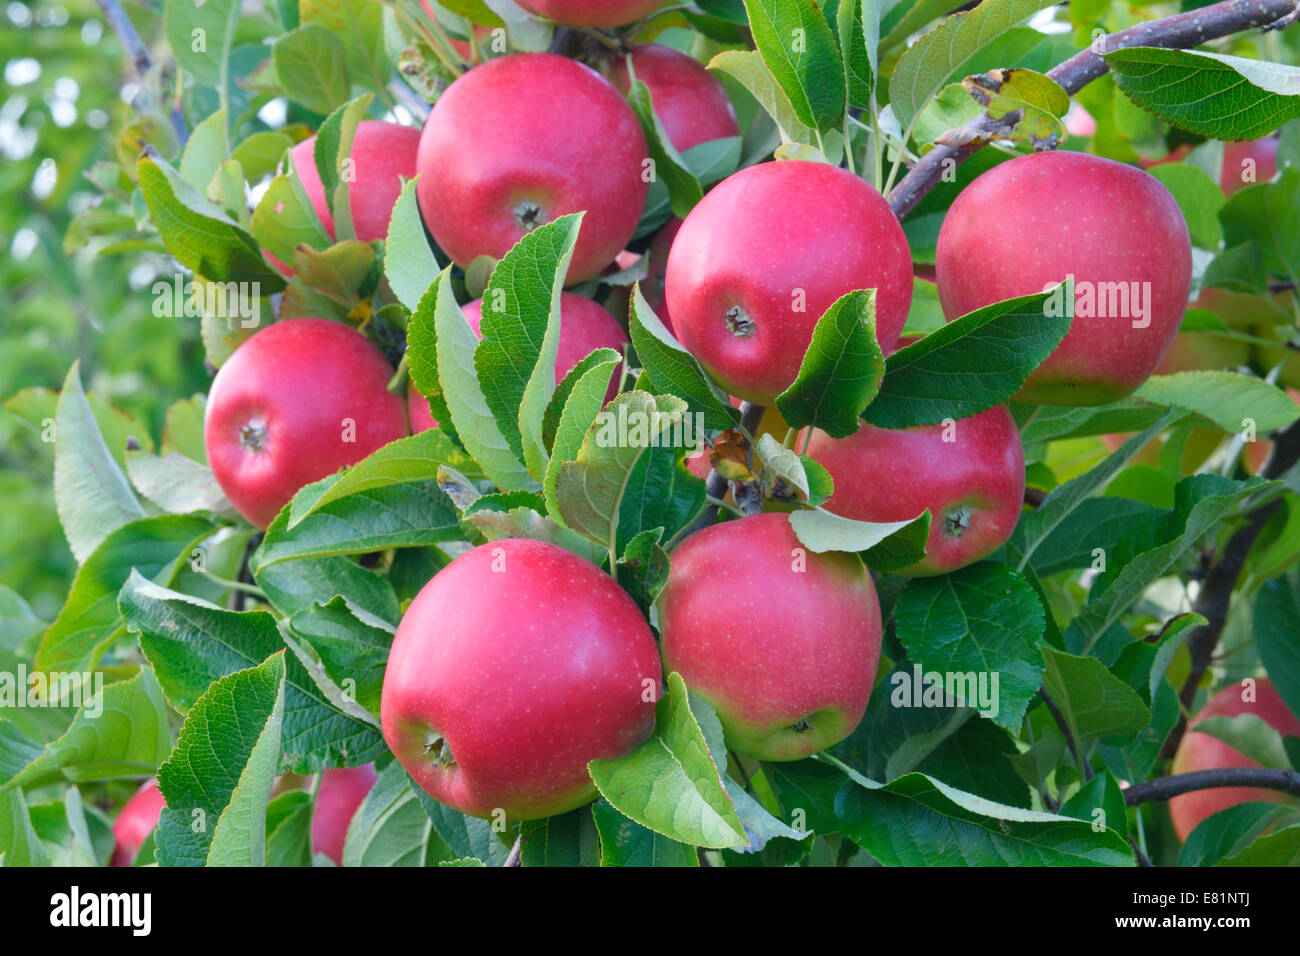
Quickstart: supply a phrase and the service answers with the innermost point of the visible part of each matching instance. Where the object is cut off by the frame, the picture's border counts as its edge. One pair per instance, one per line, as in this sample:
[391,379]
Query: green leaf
[120,731]
[624,842]
[841,369]
[1093,701]
[660,493]
[748,68]
[218,780]
[569,839]
[684,189]
[520,328]
[972,363]
[91,493]
[1101,802]
[643,568]
[348,654]
[857,47]
[390,828]
[1249,734]
[285,218]
[310,63]
[1279,848]
[200,233]
[204,151]
[17,620]
[884,546]
[19,844]
[933,824]
[331,152]
[201,34]
[260,153]
[799,48]
[1091,528]
[293,586]
[1033,102]
[1228,832]
[926,66]
[359,24]
[670,784]
[1198,196]
[1213,95]
[984,624]
[152,547]
[177,484]
[409,261]
[584,399]
[468,837]
[1266,216]
[1277,621]
[1228,399]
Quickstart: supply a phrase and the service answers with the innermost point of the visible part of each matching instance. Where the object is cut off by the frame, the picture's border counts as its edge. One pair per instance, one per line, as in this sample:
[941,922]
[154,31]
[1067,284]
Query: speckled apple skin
[136,820]
[883,474]
[531,127]
[529,673]
[690,103]
[342,791]
[382,153]
[1028,223]
[584,327]
[1197,751]
[758,237]
[768,645]
[593,13]
[300,379]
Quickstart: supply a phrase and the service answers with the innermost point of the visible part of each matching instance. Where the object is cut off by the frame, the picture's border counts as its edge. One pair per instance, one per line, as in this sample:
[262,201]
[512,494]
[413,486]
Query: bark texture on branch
[1178,32]
[1162,788]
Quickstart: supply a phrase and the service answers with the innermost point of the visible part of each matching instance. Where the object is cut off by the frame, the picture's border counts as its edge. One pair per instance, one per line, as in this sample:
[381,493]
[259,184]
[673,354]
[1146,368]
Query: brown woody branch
[135,48]
[1162,788]
[1177,32]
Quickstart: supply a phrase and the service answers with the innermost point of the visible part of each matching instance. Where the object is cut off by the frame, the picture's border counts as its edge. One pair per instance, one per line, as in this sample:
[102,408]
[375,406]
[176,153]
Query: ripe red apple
[1198,751]
[689,101]
[593,13]
[381,154]
[298,401]
[517,665]
[1256,157]
[782,641]
[763,255]
[1079,122]
[341,792]
[584,327]
[138,818]
[970,474]
[1029,223]
[521,140]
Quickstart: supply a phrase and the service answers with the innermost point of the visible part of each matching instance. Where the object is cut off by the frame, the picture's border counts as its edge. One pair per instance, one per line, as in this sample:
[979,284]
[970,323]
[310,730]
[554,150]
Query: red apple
[763,255]
[418,411]
[298,401]
[1247,163]
[342,790]
[381,154]
[517,665]
[1198,751]
[1029,223]
[138,818]
[593,13]
[522,140]
[1079,122]
[969,473]
[689,101]
[782,641]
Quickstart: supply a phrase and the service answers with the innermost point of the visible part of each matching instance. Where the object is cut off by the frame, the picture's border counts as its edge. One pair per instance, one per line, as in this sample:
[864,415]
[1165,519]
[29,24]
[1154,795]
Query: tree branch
[1084,767]
[715,484]
[1182,30]
[139,54]
[1162,788]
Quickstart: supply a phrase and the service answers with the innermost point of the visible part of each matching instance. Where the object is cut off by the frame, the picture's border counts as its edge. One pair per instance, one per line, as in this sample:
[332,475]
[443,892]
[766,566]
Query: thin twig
[130,39]
[1162,788]
[1084,767]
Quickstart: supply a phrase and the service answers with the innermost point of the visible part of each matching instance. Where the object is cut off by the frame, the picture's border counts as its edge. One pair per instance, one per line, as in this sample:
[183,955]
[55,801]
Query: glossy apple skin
[593,13]
[342,790]
[1197,751]
[531,133]
[767,645]
[974,485]
[529,662]
[584,327]
[382,153]
[296,383]
[1028,223]
[138,818]
[757,238]
[692,105]
[1262,151]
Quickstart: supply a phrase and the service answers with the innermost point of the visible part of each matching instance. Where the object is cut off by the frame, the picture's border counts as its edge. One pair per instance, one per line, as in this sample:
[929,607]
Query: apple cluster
[520,662]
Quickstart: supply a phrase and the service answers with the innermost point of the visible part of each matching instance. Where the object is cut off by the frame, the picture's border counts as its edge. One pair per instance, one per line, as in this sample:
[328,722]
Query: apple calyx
[529,215]
[439,751]
[252,435]
[956,521]
[739,323]
[802,725]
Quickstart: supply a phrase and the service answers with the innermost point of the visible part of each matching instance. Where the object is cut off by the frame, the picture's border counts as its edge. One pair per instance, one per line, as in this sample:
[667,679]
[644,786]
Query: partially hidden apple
[783,642]
[298,401]
[518,142]
[342,790]
[593,13]
[759,260]
[514,667]
[969,473]
[1029,223]
[137,819]
[382,153]
[584,327]
[1201,751]
[688,100]
[1249,162]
